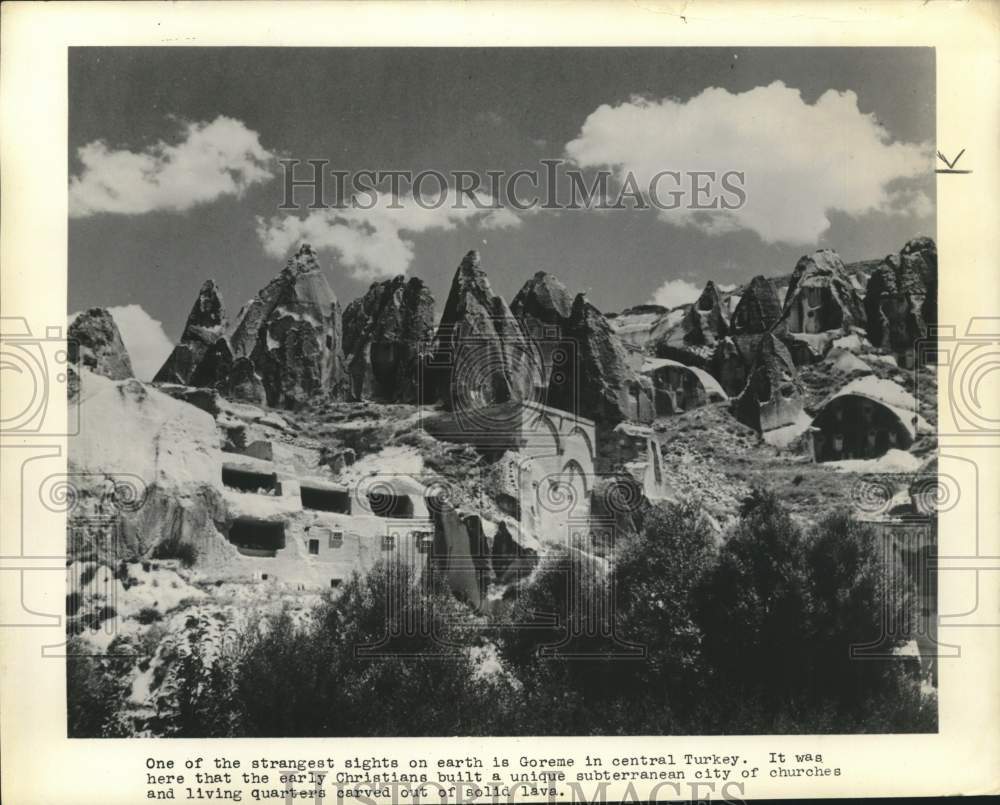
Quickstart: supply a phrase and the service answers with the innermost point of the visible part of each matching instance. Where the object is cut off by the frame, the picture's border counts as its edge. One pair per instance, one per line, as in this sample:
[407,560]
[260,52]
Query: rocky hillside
[267,425]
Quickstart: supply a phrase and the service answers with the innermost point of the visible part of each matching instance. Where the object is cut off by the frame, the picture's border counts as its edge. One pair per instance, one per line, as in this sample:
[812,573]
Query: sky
[174,174]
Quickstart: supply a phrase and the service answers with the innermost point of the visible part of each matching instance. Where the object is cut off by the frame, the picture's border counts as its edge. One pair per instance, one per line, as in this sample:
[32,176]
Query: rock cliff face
[165,452]
[543,301]
[215,366]
[206,324]
[481,356]
[900,296]
[694,338]
[774,395]
[758,310]
[95,344]
[921,254]
[638,326]
[544,308]
[600,384]
[291,335]
[386,334]
[461,553]
[820,296]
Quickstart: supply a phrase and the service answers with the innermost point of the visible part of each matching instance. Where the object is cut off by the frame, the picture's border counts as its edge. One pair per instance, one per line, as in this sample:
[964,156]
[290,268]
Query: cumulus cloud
[372,243]
[800,160]
[675,292]
[143,336]
[210,160]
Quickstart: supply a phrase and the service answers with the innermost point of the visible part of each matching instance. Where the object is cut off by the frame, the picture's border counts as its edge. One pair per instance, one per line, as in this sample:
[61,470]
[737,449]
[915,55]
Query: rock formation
[637,326]
[205,325]
[291,335]
[163,456]
[542,302]
[244,384]
[544,307]
[600,385]
[921,254]
[215,366]
[386,334]
[514,553]
[730,363]
[461,552]
[94,343]
[820,297]
[773,396]
[758,310]
[481,356]
[694,338]
[901,299]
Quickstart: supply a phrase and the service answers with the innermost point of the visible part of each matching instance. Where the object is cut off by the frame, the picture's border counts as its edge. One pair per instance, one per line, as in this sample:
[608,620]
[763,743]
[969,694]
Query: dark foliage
[750,636]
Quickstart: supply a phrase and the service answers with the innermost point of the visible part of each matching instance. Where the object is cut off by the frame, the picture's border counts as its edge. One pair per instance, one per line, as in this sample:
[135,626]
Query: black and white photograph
[501,392]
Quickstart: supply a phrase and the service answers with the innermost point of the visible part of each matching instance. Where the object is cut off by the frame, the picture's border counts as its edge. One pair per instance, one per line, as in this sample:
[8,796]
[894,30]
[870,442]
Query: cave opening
[337,501]
[249,481]
[384,504]
[257,537]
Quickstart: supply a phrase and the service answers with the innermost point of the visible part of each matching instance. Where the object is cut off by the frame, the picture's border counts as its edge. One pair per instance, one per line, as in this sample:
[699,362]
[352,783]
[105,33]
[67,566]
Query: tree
[754,605]
[653,579]
[657,577]
[195,697]
[860,596]
[337,675]
[96,690]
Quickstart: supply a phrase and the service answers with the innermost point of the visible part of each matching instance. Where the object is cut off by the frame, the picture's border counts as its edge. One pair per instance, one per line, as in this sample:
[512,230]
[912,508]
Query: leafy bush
[331,687]
[753,605]
[96,690]
[176,548]
[148,615]
[780,613]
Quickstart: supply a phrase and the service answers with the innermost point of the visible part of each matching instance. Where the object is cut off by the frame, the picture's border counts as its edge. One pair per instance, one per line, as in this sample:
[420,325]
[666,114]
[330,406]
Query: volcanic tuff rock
[481,356]
[600,384]
[95,343]
[163,453]
[758,310]
[773,396]
[243,383]
[461,552]
[901,293]
[544,306]
[206,324]
[638,326]
[543,300]
[820,296]
[514,552]
[694,338]
[386,333]
[730,362]
[215,366]
[921,254]
[291,334]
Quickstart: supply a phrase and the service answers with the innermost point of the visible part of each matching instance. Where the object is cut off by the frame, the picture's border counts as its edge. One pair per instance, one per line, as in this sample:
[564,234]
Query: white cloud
[147,345]
[800,160]
[675,292]
[372,243]
[221,158]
